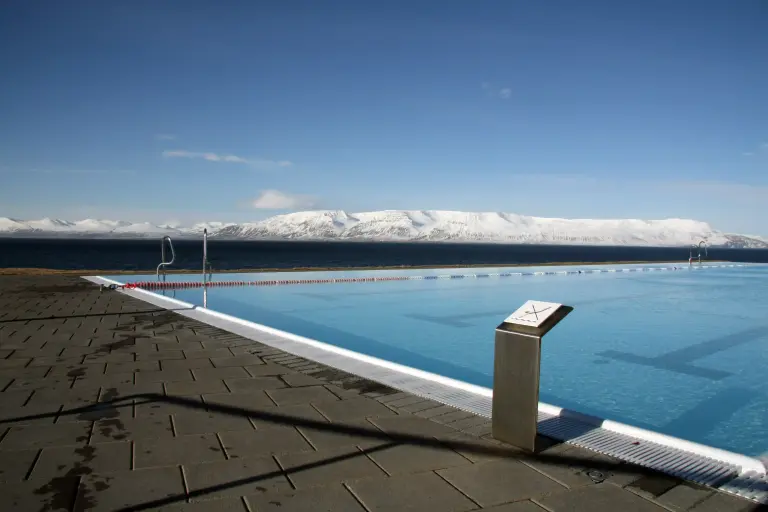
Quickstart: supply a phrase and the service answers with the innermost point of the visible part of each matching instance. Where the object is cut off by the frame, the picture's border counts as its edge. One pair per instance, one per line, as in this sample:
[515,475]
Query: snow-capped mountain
[402,225]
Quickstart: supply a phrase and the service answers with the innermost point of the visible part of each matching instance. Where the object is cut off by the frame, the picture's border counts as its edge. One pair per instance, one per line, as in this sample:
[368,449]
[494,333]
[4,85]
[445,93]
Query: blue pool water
[680,352]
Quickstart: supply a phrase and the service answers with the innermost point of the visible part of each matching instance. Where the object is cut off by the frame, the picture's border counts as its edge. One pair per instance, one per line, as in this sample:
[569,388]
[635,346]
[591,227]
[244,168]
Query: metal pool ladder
[164,263]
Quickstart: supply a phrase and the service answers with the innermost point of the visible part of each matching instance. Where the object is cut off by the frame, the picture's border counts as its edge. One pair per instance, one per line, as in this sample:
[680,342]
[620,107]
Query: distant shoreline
[48,271]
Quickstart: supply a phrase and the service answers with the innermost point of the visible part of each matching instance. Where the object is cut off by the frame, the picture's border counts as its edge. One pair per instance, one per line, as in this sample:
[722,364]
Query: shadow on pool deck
[115,405]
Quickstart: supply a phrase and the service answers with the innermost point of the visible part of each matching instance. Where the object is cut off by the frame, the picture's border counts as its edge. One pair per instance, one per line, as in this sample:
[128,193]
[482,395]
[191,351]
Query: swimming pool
[681,352]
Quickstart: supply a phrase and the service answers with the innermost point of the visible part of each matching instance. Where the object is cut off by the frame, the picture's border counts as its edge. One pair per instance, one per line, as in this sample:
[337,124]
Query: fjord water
[681,352]
[116,254]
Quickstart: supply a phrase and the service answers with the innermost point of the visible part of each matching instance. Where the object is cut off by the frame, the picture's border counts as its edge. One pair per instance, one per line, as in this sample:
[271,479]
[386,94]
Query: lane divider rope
[148,285]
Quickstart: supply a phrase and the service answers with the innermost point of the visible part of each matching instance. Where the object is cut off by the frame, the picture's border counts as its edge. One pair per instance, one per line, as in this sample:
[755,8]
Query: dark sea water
[77,254]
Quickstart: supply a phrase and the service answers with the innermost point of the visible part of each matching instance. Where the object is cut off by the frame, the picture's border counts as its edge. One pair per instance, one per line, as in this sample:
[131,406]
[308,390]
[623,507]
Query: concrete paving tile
[77,351]
[55,361]
[46,383]
[266,441]
[355,408]
[77,370]
[51,352]
[413,458]
[568,464]
[183,345]
[180,375]
[45,495]
[404,402]
[309,469]
[518,506]
[208,354]
[296,380]
[330,498]
[653,484]
[200,387]
[15,464]
[254,384]
[722,502]
[684,496]
[160,355]
[160,408]
[116,429]
[266,370]
[311,394]
[188,364]
[236,477]
[323,439]
[201,422]
[407,424]
[42,436]
[479,450]
[217,505]
[130,390]
[97,381]
[453,416]
[35,372]
[469,423]
[109,358]
[82,460]
[497,482]
[14,398]
[100,411]
[343,394]
[133,366]
[423,405]
[214,344]
[179,450]
[142,349]
[285,415]
[28,415]
[435,411]
[229,372]
[249,402]
[115,491]
[238,360]
[68,397]
[16,362]
[484,429]
[597,497]
[425,491]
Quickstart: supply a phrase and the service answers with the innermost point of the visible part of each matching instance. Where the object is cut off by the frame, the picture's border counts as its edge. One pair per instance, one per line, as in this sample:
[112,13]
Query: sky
[186,111]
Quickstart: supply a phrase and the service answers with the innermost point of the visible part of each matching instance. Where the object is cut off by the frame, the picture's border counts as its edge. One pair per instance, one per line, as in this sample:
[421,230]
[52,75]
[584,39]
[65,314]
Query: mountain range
[407,225]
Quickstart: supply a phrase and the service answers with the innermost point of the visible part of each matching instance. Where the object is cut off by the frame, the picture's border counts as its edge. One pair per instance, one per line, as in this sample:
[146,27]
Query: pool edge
[692,461]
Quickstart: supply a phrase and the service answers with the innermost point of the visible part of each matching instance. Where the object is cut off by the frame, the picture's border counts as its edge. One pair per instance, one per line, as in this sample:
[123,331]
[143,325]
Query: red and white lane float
[177,285]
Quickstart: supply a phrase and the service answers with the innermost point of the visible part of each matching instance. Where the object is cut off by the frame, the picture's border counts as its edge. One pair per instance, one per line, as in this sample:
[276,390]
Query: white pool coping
[688,460]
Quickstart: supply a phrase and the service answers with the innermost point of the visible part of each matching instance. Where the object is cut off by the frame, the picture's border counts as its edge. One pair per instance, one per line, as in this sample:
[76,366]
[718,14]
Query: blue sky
[200,110]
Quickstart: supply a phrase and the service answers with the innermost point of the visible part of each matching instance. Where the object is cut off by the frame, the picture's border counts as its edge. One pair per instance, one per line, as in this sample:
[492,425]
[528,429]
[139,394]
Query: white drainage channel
[727,471]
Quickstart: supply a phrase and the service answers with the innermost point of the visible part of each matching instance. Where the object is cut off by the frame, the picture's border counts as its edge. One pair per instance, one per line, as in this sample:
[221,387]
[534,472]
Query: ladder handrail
[164,263]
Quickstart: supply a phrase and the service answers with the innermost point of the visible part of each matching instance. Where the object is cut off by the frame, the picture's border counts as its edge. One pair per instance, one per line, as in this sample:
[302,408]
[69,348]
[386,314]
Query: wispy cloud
[496,91]
[276,200]
[217,157]
[110,172]
[165,136]
[760,148]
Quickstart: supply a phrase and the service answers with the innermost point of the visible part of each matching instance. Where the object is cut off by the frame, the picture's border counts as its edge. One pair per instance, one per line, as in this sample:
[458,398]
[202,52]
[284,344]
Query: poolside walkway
[109,403]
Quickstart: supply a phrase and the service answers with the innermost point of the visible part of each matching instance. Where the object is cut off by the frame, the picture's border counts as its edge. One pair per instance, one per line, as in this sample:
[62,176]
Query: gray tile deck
[107,402]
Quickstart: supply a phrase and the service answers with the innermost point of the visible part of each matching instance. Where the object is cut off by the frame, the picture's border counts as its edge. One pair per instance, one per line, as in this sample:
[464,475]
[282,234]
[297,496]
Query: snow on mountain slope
[11,225]
[412,225]
[145,228]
